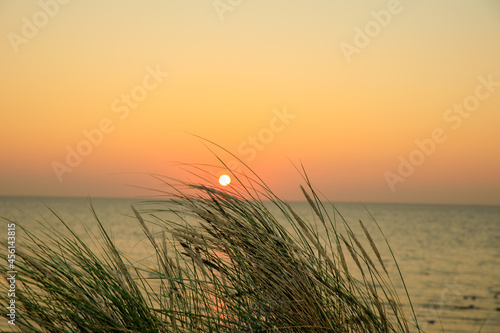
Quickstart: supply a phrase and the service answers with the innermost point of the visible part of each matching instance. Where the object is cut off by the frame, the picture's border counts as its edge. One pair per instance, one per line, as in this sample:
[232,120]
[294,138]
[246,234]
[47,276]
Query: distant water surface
[449,255]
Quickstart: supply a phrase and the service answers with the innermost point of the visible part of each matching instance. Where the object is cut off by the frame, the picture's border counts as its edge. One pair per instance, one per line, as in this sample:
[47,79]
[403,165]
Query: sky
[381,101]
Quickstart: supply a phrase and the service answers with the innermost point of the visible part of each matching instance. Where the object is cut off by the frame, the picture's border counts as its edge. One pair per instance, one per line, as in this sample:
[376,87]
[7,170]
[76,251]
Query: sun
[224,180]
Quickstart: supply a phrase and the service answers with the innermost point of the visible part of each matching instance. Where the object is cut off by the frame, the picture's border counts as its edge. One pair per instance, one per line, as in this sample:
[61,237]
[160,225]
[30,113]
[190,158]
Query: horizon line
[303,200]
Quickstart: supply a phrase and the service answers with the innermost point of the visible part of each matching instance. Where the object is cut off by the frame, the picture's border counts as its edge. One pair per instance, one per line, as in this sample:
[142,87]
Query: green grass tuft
[225,262]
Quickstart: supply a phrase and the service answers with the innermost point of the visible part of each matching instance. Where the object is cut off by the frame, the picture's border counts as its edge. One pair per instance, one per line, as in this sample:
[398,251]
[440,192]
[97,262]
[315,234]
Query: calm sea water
[449,255]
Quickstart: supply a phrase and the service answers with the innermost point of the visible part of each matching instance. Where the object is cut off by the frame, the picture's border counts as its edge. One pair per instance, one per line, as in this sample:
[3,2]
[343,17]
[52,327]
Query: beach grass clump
[233,260]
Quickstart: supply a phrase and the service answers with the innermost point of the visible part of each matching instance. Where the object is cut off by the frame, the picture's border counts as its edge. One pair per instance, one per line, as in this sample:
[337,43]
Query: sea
[448,255]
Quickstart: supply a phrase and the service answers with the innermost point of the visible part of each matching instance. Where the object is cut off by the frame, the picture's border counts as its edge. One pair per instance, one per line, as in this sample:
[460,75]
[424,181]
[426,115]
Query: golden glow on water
[447,254]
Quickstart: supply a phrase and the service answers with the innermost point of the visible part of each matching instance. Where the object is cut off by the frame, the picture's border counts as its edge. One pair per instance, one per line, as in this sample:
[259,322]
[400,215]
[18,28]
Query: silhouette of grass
[224,263]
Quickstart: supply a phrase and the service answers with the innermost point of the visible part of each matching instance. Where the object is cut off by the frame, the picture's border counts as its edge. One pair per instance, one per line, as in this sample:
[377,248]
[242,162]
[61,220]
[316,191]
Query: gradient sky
[352,104]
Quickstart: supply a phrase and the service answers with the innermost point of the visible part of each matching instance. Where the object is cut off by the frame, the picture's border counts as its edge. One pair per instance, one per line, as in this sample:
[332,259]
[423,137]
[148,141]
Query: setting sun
[224,180]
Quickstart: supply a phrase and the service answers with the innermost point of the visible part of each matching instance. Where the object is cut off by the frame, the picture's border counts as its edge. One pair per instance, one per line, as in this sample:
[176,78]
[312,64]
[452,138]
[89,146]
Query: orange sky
[346,88]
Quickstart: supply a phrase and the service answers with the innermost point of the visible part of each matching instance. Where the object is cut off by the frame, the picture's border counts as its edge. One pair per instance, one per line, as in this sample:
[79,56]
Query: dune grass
[224,263]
